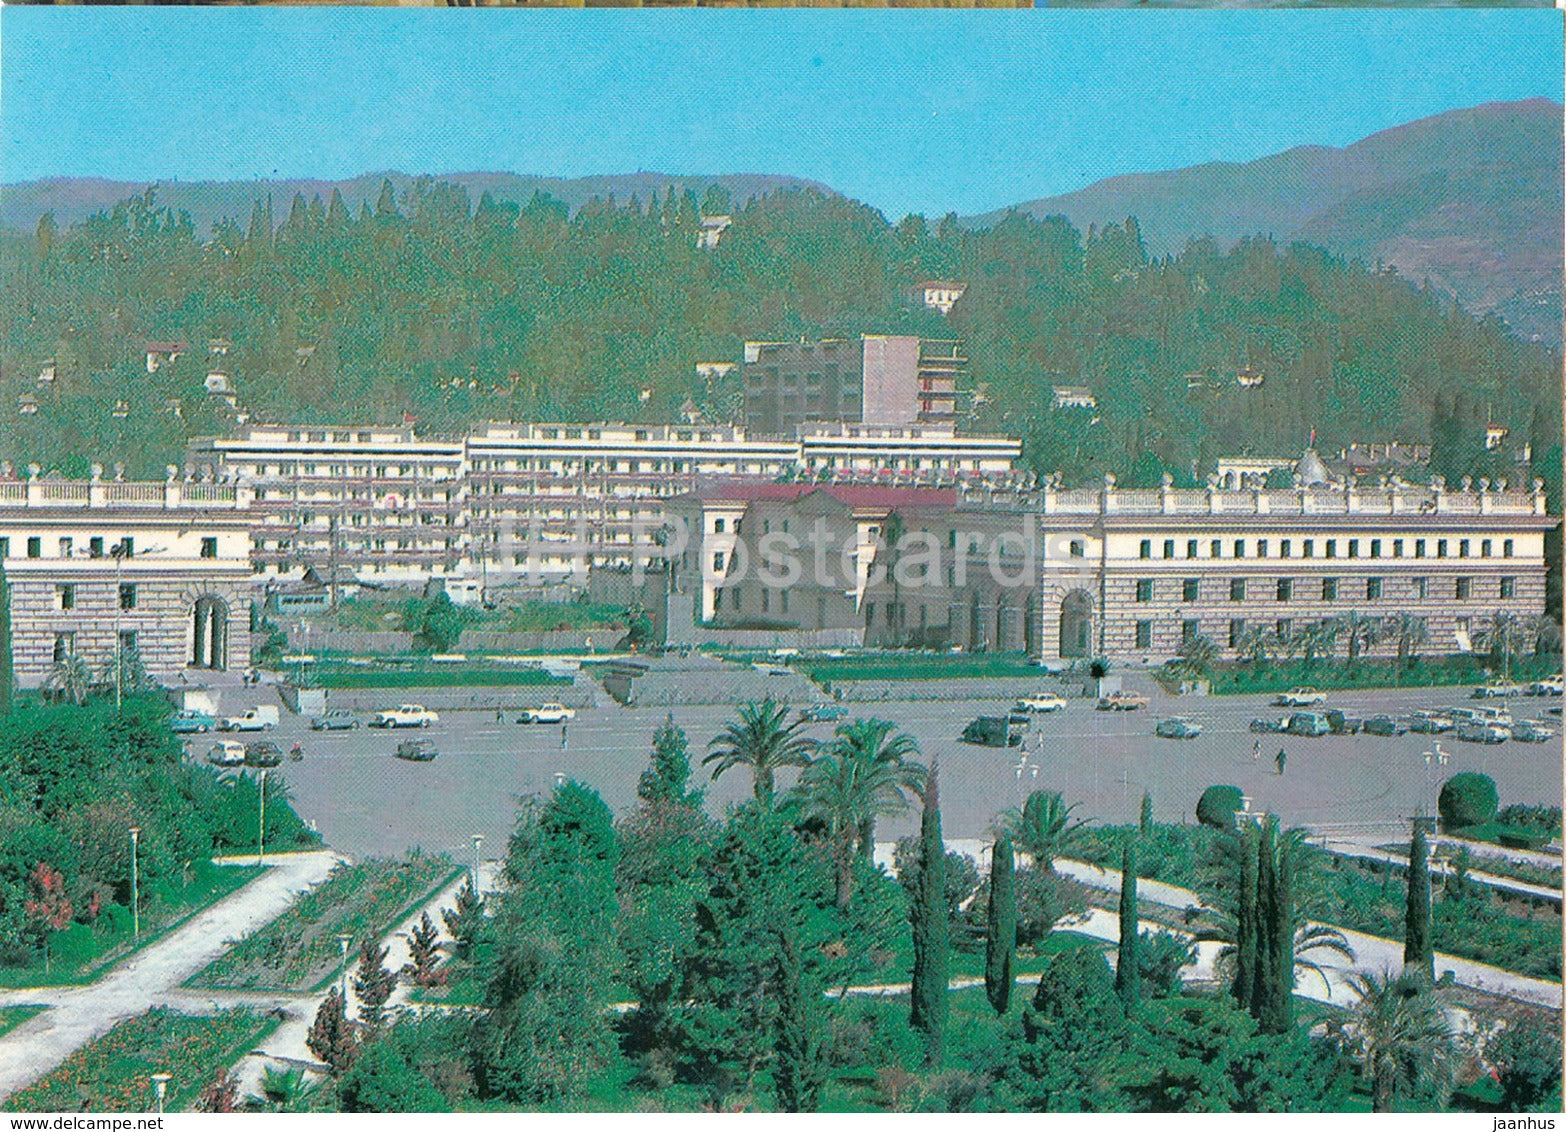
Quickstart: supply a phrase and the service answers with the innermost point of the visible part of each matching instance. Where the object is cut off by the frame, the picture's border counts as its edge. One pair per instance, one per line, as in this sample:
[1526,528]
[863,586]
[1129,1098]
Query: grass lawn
[80,953]
[916,666]
[423,673]
[1434,672]
[13,1016]
[299,950]
[113,1073]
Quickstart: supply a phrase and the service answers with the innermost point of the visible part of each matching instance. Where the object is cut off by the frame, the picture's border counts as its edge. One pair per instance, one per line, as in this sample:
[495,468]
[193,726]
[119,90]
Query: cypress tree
[1128,970]
[1145,820]
[800,1049]
[1245,919]
[1262,980]
[931,945]
[1280,1019]
[1418,949]
[1000,927]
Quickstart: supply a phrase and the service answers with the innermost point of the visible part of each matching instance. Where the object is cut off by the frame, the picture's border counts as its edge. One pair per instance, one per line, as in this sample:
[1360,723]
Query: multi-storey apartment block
[159,568]
[877,379]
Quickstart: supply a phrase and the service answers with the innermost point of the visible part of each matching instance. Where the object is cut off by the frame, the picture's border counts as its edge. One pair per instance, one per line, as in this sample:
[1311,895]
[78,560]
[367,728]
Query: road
[366,802]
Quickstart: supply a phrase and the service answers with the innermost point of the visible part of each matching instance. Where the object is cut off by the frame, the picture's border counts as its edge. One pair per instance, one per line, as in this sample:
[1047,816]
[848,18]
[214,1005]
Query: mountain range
[1468,201]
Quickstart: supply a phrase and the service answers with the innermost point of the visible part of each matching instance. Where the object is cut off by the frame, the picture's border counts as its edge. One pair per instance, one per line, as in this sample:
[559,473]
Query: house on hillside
[711,231]
[939,294]
[160,354]
[1249,378]
[1074,397]
[46,372]
[27,404]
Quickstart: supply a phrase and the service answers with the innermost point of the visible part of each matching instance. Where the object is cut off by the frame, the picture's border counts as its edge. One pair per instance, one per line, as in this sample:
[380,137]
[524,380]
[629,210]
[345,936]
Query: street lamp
[160,1081]
[478,839]
[342,942]
[261,824]
[135,902]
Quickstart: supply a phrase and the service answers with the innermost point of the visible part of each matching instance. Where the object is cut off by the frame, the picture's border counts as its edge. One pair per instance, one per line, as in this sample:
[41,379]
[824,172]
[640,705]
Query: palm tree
[1316,640]
[1401,1037]
[1042,829]
[1546,634]
[1361,633]
[1412,634]
[283,1090]
[763,740]
[876,742]
[1195,658]
[848,794]
[1501,635]
[69,679]
[1258,642]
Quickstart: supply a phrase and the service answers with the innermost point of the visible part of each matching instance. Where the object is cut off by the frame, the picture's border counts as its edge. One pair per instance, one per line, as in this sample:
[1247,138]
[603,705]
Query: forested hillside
[428,304]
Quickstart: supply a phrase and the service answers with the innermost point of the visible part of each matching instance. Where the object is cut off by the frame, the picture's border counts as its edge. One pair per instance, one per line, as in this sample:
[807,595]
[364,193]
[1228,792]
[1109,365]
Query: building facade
[159,568]
[877,379]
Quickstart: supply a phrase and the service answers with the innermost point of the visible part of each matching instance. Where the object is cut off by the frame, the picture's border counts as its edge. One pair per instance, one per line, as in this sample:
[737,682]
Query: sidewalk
[150,977]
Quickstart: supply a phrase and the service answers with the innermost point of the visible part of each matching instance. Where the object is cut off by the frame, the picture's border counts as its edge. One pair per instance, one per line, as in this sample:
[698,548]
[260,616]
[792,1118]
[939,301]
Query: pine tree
[930,929]
[1262,989]
[373,983]
[424,946]
[1128,970]
[1000,927]
[462,921]
[1418,949]
[668,778]
[799,1071]
[332,1037]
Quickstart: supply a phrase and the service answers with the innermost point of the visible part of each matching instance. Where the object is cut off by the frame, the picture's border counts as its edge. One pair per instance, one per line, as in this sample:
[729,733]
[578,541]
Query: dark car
[1384,725]
[1343,724]
[992,731]
[416,750]
[334,719]
[263,753]
[823,713]
[1269,726]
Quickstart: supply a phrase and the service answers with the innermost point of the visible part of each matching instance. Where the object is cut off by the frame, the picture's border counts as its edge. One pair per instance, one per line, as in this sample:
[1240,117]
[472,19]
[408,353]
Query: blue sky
[911,111]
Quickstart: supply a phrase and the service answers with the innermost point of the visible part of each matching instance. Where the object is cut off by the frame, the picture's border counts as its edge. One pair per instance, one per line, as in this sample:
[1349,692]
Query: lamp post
[342,942]
[160,1081]
[261,824]
[135,833]
[478,839]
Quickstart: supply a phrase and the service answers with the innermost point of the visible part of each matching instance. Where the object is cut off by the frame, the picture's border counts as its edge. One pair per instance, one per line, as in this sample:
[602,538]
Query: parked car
[260,718]
[227,752]
[192,723]
[1342,724]
[1476,731]
[547,713]
[1308,723]
[334,719]
[405,715]
[1384,725]
[1270,726]
[1549,686]
[263,753]
[823,713]
[1300,697]
[1041,701]
[992,731]
[1430,723]
[1497,716]
[416,750]
[768,669]
[1531,731]
[1498,690]
[1122,701]
[1177,727]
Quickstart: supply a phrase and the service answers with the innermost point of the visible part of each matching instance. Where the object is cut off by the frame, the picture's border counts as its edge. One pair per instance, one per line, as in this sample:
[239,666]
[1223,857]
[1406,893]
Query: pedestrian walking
[1256,752]
[563,733]
[500,715]
[1281,760]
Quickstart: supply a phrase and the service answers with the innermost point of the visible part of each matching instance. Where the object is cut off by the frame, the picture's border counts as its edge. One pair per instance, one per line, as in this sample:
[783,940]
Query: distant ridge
[1470,200]
[75,198]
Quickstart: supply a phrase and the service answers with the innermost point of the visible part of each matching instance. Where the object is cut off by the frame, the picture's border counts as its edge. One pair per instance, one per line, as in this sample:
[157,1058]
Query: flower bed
[299,950]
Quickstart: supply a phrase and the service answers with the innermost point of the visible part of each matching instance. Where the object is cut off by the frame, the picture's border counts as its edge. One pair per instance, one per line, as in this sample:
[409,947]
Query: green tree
[382,1080]
[1360,632]
[1527,1056]
[800,1072]
[333,1038]
[424,943]
[440,624]
[284,1090]
[373,984]
[1418,949]
[876,743]
[930,928]
[1467,799]
[7,669]
[1145,818]
[1411,633]
[1403,1041]
[69,679]
[1000,936]
[1128,968]
[1042,830]
[668,778]
[763,740]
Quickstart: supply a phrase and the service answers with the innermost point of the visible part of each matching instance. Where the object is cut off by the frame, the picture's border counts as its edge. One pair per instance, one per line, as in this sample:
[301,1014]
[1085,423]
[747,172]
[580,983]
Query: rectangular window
[1397,548]
[1145,551]
[1310,548]
[739,595]
[1506,548]
[1285,589]
[1190,548]
[1144,634]
[1236,632]
[1508,588]
[1441,548]
[1236,589]
[1239,548]
[783,597]
[1372,589]
[1190,590]
[1261,548]
[717,562]
[1332,548]
[35,547]
[1375,548]
[5,548]
[127,595]
[64,646]
[1462,548]
[1485,546]
[1284,548]
[1215,548]
[1189,631]
[1329,589]
[869,609]
[209,548]
[1465,589]
[1144,589]
[66,595]
[128,641]
[67,548]
[1168,548]
[1421,588]
[1419,548]
[1353,548]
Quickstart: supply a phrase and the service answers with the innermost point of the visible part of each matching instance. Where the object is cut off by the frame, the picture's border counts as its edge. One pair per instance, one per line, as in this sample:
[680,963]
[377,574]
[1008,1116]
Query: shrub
[1467,799]
[1218,805]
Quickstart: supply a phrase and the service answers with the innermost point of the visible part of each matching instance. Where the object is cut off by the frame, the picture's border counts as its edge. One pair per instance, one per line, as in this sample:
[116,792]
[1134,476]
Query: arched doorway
[209,637]
[1030,625]
[1076,624]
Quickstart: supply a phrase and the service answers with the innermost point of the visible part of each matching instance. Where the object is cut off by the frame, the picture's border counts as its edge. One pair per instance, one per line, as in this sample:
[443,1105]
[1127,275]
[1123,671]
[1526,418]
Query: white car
[547,713]
[1041,701]
[262,718]
[1498,691]
[227,752]
[1300,697]
[1549,686]
[405,715]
